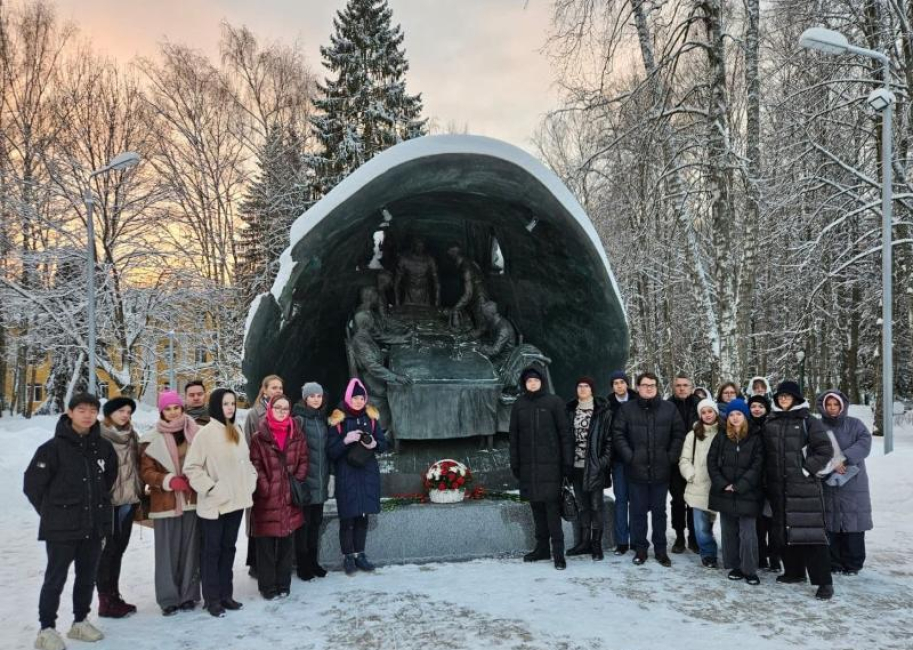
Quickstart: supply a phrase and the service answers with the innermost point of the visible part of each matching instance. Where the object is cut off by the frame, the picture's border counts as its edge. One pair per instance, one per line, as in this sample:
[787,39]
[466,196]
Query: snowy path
[611,605]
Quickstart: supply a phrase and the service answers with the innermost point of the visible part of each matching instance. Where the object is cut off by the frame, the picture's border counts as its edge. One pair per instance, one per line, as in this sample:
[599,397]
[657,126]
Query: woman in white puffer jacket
[693,466]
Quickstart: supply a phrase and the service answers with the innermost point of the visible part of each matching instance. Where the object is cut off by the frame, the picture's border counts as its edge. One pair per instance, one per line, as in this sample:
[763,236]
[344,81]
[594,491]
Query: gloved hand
[179,484]
[352,436]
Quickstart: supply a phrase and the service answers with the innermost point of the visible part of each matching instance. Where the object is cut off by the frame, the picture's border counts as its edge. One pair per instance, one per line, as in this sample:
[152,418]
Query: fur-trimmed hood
[338,414]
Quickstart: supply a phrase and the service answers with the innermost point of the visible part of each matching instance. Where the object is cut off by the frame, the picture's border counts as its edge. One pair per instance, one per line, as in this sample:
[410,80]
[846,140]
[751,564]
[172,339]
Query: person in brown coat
[172,506]
[278,449]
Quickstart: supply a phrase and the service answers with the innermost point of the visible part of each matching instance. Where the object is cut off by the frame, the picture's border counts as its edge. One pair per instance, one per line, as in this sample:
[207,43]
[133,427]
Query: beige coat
[693,466]
[220,472]
[157,469]
[129,486]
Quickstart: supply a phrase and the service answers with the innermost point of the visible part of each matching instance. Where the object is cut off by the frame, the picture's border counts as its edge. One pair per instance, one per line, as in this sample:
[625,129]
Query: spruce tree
[363,108]
[278,196]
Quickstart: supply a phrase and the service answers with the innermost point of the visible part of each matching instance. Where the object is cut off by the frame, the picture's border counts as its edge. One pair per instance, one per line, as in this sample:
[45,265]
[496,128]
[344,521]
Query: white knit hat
[709,404]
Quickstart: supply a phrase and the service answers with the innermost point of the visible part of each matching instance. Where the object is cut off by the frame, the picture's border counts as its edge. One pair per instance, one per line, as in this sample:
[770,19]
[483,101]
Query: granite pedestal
[427,532]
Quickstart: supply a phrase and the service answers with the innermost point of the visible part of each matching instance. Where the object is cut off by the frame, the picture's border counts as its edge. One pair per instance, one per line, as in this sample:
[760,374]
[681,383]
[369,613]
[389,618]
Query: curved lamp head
[824,40]
[124,160]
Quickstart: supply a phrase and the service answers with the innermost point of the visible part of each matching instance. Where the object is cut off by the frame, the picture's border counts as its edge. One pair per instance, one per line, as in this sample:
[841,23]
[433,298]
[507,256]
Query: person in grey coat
[313,417]
[847,503]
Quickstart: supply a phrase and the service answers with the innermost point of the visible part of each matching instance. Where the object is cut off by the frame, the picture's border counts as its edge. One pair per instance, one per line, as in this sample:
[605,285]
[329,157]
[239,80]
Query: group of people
[194,475]
[790,489]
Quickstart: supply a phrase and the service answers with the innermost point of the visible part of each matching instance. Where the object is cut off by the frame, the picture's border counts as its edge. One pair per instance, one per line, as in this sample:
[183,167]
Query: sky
[477,63]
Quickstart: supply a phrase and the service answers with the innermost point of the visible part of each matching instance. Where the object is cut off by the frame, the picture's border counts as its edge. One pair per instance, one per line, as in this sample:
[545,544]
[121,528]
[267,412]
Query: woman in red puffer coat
[277,450]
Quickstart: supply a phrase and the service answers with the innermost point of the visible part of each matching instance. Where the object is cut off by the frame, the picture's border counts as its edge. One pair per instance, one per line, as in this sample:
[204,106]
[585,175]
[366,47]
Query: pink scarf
[281,430]
[168,429]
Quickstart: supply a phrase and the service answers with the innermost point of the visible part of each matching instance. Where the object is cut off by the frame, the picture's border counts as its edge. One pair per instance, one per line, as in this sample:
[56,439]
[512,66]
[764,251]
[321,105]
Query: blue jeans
[703,530]
[648,498]
[620,488]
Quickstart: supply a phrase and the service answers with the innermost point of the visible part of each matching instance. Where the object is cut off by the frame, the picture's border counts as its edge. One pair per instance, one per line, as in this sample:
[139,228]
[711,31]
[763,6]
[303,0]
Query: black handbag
[301,493]
[569,510]
[359,455]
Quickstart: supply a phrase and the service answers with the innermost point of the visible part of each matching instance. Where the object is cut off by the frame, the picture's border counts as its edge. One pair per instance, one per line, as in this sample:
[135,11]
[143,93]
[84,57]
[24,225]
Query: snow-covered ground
[493,604]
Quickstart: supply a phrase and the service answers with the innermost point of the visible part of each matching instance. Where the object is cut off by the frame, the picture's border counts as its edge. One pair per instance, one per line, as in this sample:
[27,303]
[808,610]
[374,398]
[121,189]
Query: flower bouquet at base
[447,481]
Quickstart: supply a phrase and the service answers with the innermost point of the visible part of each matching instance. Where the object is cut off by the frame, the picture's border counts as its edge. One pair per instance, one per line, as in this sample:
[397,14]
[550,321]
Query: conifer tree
[278,196]
[363,108]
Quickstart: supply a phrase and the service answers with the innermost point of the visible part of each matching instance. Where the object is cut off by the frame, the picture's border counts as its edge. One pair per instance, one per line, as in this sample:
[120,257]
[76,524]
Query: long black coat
[648,436]
[541,445]
[741,465]
[357,488]
[69,484]
[596,474]
[791,486]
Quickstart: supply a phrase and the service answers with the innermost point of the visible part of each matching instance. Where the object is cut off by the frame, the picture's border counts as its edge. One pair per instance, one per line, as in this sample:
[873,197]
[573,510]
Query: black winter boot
[558,556]
[621,549]
[679,545]
[596,543]
[583,546]
[316,569]
[538,553]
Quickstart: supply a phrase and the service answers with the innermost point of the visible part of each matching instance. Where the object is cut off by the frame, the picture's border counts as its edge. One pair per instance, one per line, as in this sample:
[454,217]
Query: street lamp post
[882,101]
[171,373]
[120,162]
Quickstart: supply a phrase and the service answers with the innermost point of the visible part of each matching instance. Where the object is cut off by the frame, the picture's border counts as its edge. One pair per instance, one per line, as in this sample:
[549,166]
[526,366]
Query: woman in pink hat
[353,440]
[172,506]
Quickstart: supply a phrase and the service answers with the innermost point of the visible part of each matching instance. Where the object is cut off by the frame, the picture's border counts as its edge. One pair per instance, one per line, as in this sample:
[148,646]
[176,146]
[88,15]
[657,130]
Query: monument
[436,272]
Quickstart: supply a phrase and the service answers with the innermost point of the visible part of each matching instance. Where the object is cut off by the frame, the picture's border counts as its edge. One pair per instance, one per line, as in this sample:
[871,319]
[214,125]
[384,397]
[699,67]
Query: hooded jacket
[848,508]
[693,467]
[218,469]
[648,436]
[796,447]
[69,484]
[357,488]
[740,464]
[541,444]
[749,389]
[314,425]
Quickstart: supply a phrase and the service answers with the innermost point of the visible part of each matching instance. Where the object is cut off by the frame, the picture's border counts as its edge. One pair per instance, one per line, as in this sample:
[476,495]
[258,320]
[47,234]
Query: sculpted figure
[416,281]
[474,291]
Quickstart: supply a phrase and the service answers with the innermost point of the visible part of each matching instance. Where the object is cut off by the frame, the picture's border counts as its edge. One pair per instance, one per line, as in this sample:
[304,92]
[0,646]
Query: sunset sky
[477,62]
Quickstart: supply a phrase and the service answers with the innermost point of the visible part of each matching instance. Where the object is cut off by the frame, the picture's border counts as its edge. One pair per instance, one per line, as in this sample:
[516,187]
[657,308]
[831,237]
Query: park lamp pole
[882,101]
[118,163]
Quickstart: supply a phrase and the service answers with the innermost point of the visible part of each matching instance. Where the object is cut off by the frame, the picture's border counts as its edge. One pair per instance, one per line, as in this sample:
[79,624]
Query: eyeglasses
[648,385]
[281,409]
[728,392]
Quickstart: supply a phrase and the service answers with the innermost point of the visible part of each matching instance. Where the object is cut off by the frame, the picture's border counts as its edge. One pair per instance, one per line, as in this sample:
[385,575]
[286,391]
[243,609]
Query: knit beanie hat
[738,404]
[311,388]
[790,388]
[530,373]
[171,398]
[707,404]
[117,404]
[761,399]
[619,374]
[588,381]
[354,389]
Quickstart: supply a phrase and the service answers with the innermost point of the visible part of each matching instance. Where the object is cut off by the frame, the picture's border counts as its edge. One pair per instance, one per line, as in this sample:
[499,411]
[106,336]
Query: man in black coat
[621,394]
[69,484]
[648,434]
[541,456]
[685,401]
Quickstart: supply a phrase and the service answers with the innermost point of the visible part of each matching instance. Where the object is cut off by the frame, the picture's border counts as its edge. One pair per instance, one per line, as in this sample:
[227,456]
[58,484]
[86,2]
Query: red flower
[441,486]
[460,481]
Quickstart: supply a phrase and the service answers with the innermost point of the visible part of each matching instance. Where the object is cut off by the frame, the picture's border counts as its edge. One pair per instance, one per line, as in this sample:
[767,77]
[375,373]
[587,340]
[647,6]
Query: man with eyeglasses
[684,400]
[648,434]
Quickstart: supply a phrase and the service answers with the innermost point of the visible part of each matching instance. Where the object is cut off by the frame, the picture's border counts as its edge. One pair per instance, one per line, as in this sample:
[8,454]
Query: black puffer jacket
[614,404]
[648,437]
[796,446]
[687,409]
[741,465]
[69,483]
[596,474]
[541,444]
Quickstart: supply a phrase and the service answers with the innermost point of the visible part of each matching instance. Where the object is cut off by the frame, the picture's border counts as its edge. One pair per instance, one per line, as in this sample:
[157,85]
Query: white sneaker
[49,639]
[85,631]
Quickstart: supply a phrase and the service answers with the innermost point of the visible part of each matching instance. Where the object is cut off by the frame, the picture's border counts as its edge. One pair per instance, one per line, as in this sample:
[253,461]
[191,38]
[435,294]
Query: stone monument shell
[556,286]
